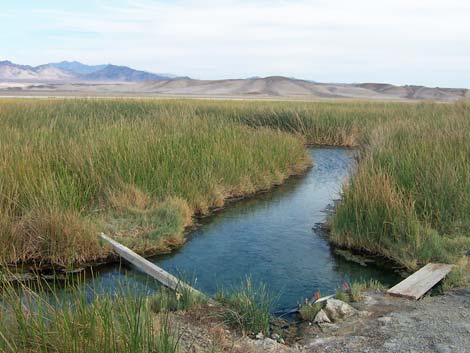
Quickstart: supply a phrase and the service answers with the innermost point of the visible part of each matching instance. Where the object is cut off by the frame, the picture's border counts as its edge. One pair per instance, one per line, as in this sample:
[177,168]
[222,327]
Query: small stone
[329,327]
[275,336]
[259,336]
[281,340]
[368,300]
[442,348]
[337,309]
[384,320]
[266,342]
[321,317]
[390,345]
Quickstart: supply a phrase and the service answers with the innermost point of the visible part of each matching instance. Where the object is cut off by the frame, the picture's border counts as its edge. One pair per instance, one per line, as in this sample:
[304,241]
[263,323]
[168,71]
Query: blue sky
[397,41]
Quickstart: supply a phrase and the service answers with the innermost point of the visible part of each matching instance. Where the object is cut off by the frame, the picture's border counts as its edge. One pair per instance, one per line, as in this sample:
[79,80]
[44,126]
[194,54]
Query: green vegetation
[139,169]
[409,199]
[248,308]
[342,295]
[308,311]
[458,277]
[39,321]
[355,291]
[168,300]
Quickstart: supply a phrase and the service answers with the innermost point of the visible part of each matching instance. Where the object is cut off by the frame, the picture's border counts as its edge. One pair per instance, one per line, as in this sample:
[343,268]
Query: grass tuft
[308,311]
[248,307]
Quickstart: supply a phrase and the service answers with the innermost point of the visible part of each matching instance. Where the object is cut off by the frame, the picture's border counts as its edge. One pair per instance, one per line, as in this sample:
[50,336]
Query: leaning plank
[165,278]
[420,282]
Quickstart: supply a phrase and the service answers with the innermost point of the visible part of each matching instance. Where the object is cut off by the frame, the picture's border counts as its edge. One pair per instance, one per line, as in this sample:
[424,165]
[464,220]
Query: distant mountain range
[74,71]
[77,79]
[280,86]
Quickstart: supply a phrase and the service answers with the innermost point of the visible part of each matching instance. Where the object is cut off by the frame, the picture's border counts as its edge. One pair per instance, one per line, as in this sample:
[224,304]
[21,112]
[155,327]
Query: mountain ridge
[56,79]
[66,71]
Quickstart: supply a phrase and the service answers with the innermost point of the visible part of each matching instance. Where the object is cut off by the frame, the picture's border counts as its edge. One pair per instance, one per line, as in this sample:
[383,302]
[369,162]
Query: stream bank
[272,237]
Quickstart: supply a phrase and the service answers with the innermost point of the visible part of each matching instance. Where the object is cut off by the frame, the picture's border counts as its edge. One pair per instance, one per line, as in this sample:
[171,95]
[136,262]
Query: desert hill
[77,79]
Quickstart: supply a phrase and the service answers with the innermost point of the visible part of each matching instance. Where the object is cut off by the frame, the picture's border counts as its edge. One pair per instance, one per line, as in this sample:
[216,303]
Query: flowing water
[271,238]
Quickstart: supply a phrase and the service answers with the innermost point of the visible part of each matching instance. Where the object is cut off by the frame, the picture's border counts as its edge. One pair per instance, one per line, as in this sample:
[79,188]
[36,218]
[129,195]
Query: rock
[391,345]
[385,320]
[265,342]
[442,348]
[465,328]
[329,327]
[275,336]
[368,300]
[337,309]
[259,336]
[321,317]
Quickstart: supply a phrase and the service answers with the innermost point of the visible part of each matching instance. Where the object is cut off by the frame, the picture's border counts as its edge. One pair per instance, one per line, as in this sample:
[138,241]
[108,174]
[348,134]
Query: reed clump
[248,307]
[40,321]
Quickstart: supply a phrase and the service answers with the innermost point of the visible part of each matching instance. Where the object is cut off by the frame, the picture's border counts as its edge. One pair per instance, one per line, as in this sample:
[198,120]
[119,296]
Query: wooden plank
[311,301]
[165,278]
[420,282]
[322,299]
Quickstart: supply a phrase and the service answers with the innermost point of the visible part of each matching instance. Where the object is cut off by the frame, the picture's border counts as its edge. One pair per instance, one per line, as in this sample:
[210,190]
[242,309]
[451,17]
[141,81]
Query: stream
[272,238]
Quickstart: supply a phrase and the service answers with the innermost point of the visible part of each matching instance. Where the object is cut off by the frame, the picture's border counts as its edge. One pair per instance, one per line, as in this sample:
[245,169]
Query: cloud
[338,40]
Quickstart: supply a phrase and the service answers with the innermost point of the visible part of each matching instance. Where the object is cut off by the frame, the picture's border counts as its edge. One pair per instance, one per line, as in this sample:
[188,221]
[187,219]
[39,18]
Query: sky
[424,42]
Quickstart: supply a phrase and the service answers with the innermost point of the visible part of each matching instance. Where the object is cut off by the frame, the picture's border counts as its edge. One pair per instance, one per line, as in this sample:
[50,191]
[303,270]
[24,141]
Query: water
[271,238]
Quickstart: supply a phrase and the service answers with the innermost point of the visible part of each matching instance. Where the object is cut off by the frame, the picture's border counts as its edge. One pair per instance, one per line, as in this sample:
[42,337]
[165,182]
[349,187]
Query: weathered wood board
[165,278]
[420,282]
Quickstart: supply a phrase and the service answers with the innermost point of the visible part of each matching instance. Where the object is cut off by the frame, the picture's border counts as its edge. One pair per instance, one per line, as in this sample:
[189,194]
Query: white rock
[337,309]
[266,342]
[385,320]
[321,317]
[275,336]
[259,336]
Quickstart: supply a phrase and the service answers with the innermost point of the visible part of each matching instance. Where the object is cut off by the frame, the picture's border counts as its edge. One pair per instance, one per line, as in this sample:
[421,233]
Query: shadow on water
[271,237]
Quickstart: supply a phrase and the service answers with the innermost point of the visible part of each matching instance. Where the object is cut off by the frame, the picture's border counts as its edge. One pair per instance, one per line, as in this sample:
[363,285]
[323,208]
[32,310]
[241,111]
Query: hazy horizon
[398,42]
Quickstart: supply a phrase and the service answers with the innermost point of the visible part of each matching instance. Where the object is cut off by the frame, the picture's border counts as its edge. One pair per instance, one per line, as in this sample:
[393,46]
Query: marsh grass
[41,321]
[248,307]
[165,300]
[342,295]
[356,289]
[459,277]
[308,311]
[409,199]
[141,168]
[138,169]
